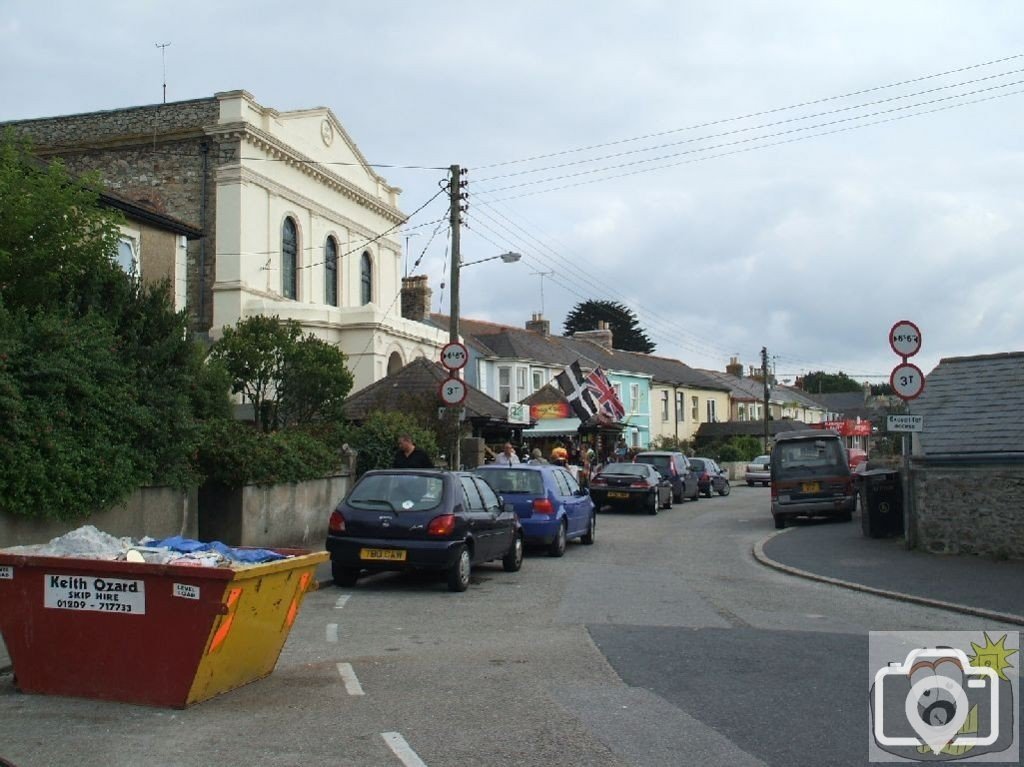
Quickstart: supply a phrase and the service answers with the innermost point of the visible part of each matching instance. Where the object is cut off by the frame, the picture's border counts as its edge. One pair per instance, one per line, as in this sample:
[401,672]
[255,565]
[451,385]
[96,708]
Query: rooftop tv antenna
[542,275]
[163,62]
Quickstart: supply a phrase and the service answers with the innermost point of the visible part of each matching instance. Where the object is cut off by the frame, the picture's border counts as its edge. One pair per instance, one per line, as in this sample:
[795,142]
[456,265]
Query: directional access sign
[906,423]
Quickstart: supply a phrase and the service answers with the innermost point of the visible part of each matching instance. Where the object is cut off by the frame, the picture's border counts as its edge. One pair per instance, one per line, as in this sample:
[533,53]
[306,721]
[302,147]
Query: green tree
[626,331]
[290,380]
[821,382]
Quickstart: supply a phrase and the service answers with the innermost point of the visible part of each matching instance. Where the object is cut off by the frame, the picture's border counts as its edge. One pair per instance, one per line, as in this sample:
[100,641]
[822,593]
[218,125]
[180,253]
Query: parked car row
[451,521]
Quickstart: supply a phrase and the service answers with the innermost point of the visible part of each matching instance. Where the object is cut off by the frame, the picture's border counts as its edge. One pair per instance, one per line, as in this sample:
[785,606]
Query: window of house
[664,406]
[741,412]
[618,391]
[289,258]
[711,411]
[694,409]
[366,278]
[520,383]
[538,379]
[504,384]
[634,398]
[680,406]
[127,256]
[331,272]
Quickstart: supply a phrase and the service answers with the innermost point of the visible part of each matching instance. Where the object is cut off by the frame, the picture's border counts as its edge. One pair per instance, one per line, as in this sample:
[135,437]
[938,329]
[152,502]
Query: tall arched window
[331,272]
[366,276]
[289,259]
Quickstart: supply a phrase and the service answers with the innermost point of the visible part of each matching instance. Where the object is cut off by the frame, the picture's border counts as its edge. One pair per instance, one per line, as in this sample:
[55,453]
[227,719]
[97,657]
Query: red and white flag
[608,402]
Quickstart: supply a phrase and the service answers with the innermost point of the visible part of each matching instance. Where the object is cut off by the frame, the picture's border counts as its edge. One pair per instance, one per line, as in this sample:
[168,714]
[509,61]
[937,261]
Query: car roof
[801,434]
[658,452]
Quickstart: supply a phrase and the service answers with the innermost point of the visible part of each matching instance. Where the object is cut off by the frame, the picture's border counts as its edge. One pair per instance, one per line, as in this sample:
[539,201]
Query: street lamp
[453,322]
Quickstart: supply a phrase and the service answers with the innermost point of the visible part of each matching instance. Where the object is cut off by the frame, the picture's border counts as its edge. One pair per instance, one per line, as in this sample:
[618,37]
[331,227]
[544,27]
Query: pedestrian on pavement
[559,455]
[408,456]
[537,457]
[507,457]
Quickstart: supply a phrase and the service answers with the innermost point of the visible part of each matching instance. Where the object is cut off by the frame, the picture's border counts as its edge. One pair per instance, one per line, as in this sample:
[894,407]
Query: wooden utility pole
[455,220]
[764,378]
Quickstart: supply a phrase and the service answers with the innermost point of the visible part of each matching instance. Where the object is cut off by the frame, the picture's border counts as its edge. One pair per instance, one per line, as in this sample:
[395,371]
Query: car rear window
[398,492]
[632,469]
[514,481]
[809,457]
[697,464]
[660,462]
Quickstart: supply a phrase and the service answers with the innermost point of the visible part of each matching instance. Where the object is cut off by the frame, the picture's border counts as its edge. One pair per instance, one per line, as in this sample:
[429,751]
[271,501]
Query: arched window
[331,272]
[289,259]
[366,276]
[394,363]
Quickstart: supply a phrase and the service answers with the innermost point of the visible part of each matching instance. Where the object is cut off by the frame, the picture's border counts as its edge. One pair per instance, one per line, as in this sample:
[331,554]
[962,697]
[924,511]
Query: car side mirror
[508,508]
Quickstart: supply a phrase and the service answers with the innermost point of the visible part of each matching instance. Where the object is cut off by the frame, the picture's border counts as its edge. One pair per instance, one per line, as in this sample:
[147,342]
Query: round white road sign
[453,391]
[905,338]
[454,356]
[907,381]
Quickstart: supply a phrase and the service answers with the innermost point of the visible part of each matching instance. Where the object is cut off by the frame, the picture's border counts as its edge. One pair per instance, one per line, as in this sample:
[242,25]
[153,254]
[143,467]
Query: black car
[632,486]
[711,477]
[410,519]
[676,467]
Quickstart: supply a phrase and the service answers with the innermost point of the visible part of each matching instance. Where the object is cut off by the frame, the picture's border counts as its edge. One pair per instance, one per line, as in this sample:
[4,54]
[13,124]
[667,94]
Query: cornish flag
[577,391]
[608,402]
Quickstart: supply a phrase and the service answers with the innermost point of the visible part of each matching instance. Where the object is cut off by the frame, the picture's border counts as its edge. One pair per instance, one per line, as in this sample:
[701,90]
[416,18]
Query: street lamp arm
[508,258]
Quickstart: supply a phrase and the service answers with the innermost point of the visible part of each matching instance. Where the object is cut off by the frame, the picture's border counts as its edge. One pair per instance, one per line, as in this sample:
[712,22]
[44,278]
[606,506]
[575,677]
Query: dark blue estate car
[422,519]
[550,504]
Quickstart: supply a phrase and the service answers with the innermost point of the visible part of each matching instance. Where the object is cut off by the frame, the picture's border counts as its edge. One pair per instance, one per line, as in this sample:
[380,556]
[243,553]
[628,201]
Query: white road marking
[402,750]
[352,686]
[332,632]
[341,601]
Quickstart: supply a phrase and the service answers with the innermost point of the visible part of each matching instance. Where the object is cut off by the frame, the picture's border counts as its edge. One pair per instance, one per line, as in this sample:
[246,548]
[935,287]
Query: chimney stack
[735,367]
[538,324]
[602,336]
[416,295]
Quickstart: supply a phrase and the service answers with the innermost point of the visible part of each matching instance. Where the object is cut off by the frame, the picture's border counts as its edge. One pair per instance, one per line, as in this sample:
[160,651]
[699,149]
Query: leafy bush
[233,453]
[376,440]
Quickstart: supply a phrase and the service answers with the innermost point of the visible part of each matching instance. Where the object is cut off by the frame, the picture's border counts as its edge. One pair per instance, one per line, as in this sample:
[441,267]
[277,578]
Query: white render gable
[303,166]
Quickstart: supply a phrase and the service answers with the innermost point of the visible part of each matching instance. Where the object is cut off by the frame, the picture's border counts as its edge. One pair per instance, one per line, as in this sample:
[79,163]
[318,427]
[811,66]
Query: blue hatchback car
[551,506]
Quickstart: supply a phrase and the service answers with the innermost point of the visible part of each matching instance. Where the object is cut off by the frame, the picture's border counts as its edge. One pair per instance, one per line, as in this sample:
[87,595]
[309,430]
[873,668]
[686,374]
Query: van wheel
[780,523]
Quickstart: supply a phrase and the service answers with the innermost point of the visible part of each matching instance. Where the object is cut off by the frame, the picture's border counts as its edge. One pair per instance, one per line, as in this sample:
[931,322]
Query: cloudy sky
[742,174]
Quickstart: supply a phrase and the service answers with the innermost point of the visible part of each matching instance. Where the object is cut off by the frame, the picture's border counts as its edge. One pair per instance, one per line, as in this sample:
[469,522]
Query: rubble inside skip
[88,542]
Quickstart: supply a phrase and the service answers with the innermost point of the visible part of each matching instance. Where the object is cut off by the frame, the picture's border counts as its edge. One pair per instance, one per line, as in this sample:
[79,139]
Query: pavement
[839,553]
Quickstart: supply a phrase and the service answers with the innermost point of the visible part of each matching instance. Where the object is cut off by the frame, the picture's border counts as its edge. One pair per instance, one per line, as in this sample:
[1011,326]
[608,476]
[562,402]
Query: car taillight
[704,475]
[442,525]
[641,483]
[598,481]
[337,522]
[543,506]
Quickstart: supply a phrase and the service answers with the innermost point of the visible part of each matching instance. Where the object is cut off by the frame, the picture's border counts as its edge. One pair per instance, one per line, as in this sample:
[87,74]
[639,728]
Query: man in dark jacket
[408,456]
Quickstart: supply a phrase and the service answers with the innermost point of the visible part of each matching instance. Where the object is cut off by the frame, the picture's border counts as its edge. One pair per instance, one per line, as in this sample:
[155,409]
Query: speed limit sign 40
[907,381]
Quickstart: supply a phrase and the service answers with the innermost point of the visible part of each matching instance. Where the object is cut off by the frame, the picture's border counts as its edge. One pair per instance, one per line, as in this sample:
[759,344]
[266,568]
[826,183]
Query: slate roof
[973,405]
[507,342]
[418,377]
[726,429]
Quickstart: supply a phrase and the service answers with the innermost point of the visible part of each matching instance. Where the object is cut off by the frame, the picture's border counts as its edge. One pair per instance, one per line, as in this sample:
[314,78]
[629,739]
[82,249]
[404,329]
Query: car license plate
[811,487]
[613,494]
[390,555]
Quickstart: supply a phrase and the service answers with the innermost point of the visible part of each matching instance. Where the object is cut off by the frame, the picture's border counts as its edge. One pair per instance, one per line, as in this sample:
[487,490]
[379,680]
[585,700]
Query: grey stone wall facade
[970,509]
[157,154]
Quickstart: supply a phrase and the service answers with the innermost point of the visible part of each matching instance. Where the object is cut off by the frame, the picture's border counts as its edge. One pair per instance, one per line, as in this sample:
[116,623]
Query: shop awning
[553,427]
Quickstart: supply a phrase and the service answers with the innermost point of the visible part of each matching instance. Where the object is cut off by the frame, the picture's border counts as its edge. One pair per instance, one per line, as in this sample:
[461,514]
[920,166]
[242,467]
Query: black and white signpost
[452,393]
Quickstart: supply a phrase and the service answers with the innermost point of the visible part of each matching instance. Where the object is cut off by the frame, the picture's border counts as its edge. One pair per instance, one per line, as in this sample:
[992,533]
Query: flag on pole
[577,392]
[603,393]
